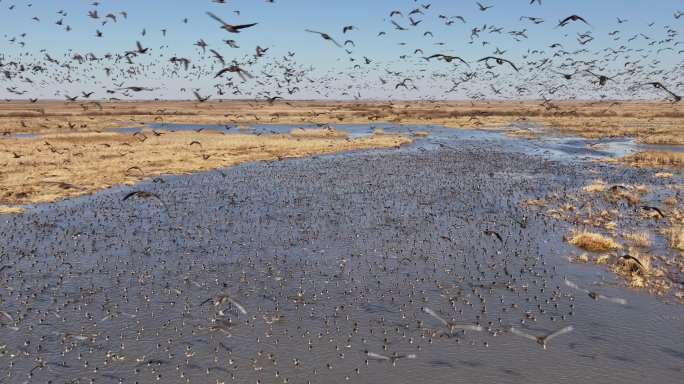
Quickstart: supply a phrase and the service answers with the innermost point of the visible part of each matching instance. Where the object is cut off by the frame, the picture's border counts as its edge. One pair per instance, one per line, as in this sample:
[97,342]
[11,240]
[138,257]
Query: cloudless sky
[281,29]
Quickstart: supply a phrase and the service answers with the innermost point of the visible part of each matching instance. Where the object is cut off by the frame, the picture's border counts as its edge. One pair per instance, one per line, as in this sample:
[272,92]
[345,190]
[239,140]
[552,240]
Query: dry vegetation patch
[594,242]
[655,160]
[56,166]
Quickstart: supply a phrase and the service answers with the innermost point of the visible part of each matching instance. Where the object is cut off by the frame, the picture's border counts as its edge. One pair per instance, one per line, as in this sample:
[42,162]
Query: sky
[321,70]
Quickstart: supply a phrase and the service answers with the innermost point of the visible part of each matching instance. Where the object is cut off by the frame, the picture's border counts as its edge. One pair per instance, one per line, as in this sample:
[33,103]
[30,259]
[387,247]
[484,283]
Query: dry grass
[5,210]
[663,138]
[649,121]
[655,159]
[595,186]
[593,242]
[638,239]
[57,166]
[663,175]
[676,236]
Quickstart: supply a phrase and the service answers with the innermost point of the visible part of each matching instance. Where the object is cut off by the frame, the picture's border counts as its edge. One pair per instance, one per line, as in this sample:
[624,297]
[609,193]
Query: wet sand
[330,257]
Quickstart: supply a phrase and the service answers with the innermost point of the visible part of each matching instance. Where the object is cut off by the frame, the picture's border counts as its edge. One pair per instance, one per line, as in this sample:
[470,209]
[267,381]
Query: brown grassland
[650,122]
[73,153]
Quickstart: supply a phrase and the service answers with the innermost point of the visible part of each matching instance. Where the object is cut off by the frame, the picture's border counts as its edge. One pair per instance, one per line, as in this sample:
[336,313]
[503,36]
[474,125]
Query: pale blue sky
[281,29]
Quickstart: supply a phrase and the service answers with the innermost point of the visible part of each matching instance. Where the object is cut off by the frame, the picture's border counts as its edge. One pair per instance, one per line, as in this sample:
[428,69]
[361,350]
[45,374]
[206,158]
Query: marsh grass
[595,187]
[593,242]
[56,166]
[638,239]
[655,159]
[676,237]
[5,210]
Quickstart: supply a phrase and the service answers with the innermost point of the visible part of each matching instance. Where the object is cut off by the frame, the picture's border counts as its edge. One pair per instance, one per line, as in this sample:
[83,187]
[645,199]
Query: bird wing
[461,60]
[242,26]
[237,305]
[221,72]
[575,286]
[523,334]
[128,196]
[511,64]
[218,56]
[335,42]
[559,332]
[468,327]
[216,18]
[376,356]
[616,300]
[435,315]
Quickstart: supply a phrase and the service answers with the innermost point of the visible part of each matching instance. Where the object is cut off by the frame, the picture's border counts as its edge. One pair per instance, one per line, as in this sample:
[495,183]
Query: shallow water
[345,251]
[565,148]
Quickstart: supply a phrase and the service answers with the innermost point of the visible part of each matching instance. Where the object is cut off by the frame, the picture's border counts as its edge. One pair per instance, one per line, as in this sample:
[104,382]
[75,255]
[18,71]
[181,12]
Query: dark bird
[499,61]
[659,85]
[325,36]
[200,98]
[570,18]
[234,69]
[483,7]
[446,58]
[228,27]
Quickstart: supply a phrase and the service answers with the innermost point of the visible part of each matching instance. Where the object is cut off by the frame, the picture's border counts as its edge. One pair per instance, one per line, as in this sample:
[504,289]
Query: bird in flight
[499,61]
[542,340]
[325,36]
[659,85]
[447,58]
[570,18]
[483,7]
[451,326]
[595,295]
[228,27]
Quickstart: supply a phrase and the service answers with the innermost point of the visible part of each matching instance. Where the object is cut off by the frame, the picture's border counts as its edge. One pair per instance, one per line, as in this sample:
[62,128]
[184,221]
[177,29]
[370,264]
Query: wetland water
[328,265]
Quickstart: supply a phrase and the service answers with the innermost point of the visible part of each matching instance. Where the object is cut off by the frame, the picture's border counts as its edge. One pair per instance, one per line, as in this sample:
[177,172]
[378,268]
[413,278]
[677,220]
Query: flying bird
[228,27]
[325,36]
[542,340]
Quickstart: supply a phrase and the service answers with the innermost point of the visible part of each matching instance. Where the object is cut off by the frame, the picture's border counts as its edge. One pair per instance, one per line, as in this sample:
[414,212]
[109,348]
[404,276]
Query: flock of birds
[621,65]
[146,284]
[149,284]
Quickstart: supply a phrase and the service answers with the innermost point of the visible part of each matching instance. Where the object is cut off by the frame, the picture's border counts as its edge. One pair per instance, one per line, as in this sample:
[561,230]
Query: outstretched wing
[559,332]
[435,315]
[216,18]
[616,300]
[523,334]
[575,286]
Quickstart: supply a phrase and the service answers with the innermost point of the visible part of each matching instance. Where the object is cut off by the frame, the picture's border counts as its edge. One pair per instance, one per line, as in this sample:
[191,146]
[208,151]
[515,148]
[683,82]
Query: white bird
[594,295]
[393,358]
[542,340]
[222,299]
[451,325]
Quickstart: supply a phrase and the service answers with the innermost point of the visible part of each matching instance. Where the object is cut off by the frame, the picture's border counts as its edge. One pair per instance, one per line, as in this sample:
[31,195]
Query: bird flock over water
[420,50]
[264,282]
